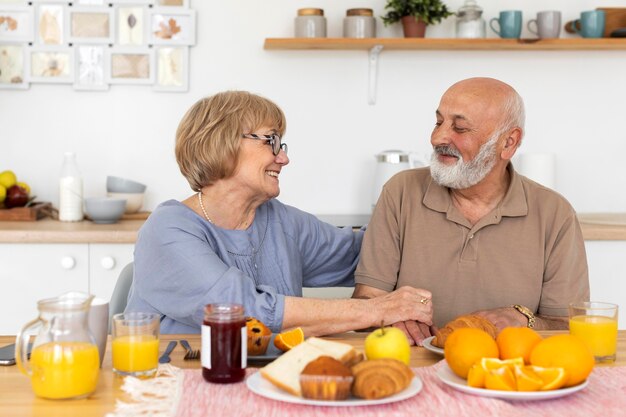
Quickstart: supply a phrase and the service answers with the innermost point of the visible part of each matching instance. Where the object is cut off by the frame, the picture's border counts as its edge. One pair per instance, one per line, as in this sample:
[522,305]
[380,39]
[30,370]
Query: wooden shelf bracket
[373,73]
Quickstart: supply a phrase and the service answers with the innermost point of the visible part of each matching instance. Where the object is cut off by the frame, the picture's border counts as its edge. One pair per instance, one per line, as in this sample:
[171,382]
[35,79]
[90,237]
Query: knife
[165,357]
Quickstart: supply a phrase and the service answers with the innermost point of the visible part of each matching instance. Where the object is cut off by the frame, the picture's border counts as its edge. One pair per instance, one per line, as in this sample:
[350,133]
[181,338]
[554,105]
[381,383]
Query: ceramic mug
[547,24]
[591,23]
[510,22]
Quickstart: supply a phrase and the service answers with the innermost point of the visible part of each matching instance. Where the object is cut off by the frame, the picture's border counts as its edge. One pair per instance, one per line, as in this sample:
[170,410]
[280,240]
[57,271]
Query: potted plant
[415,15]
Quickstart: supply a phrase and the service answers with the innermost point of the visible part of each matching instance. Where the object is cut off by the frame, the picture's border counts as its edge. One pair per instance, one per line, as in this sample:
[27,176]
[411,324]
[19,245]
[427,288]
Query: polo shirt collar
[514,203]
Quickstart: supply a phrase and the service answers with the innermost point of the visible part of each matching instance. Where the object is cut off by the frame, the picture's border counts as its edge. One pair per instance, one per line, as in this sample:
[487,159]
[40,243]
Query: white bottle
[70,190]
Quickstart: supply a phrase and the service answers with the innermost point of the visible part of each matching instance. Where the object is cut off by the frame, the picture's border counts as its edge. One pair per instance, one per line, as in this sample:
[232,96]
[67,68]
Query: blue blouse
[183,262]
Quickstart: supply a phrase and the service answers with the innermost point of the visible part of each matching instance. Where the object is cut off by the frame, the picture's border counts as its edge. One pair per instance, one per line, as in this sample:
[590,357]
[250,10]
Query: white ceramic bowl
[134,201]
[123,185]
[105,210]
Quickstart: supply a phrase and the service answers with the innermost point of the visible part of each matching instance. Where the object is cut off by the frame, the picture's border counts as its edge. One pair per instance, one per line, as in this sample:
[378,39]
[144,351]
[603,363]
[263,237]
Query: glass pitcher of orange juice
[64,362]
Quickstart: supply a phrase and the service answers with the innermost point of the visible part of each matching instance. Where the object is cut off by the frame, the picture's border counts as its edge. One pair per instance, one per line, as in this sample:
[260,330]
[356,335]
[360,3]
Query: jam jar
[224,343]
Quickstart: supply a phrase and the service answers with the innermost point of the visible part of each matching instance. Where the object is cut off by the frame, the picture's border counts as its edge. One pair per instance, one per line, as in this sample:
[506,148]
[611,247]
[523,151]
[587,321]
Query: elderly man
[472,231]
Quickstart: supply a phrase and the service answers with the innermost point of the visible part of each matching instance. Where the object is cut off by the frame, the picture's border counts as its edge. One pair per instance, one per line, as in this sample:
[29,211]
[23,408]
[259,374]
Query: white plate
[259,385]
[450,378]
[427,343]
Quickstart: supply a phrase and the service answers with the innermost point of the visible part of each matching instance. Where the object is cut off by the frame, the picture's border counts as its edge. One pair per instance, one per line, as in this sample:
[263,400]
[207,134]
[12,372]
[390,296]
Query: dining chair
[120,292]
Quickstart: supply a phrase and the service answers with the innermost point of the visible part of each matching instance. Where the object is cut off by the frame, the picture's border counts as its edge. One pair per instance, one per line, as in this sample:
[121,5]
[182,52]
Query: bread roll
[469,320]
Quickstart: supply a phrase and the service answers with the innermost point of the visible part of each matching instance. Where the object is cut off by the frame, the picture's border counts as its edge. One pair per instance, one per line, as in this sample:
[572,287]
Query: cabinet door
[105,263]
[31,272]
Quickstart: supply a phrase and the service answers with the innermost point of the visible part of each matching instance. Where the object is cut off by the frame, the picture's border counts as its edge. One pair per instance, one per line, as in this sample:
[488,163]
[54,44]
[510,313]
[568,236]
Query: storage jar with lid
[359,23]
[469,21]
[310,23]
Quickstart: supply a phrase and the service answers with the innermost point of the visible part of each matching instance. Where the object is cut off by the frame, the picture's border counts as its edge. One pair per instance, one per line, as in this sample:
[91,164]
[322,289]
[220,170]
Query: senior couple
[466,234]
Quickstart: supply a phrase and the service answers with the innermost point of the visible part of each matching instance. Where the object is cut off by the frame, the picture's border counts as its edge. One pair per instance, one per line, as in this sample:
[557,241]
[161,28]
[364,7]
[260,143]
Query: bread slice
[284,372]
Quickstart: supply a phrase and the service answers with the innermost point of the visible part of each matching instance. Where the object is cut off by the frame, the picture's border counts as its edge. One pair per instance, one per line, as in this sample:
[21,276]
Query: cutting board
[615,18]
[27,214]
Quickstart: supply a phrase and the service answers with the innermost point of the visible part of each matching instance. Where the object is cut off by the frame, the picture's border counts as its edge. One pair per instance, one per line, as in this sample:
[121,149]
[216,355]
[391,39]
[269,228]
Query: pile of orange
[518,360]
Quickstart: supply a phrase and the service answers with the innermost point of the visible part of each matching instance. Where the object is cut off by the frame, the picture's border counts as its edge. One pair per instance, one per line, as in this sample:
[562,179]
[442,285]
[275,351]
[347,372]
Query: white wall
[574,99]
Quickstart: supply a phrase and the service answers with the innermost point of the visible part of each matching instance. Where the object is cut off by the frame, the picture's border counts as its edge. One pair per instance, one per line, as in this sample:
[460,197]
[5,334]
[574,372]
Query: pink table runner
[605,395]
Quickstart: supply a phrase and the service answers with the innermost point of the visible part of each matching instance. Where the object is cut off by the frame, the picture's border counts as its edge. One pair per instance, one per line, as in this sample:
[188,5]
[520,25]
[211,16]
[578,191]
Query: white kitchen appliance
[389,163]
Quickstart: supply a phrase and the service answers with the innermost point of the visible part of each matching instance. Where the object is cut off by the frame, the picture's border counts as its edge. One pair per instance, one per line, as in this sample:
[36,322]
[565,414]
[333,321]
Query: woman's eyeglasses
[272,140]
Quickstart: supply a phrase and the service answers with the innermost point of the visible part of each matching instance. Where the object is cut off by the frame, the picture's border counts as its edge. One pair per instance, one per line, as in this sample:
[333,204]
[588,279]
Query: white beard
[463,174]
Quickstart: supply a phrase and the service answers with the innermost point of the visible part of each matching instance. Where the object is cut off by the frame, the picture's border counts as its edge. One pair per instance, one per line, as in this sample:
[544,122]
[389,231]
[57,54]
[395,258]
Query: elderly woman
[232,241]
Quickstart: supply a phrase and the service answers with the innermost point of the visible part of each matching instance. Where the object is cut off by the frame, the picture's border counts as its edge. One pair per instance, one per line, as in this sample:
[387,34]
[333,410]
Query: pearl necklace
[202,207]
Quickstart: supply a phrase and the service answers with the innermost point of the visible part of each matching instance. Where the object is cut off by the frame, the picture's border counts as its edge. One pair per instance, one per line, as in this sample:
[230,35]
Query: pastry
[470,320]
[325,378]
[259,336]
[380,378]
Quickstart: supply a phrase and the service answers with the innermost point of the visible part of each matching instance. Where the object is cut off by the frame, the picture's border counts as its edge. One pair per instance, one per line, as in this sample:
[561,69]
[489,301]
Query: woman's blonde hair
[209,135]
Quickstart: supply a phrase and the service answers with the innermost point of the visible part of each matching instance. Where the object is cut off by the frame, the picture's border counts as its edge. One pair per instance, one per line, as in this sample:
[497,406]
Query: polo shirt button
[471,236]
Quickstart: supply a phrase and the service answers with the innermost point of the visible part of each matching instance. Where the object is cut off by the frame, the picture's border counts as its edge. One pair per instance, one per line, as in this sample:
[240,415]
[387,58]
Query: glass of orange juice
[135,344]
[596,324]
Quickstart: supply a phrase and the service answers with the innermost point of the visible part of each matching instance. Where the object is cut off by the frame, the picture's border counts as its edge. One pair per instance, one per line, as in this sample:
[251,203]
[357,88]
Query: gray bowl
[105,210]
[123,185]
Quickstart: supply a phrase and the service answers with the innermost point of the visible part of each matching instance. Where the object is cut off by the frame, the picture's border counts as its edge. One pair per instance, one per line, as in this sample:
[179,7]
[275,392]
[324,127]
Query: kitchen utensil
[192,354]
[99,324]
[389,163]
[33,212]
[592,24]
[123,185]
[64,362]
[547,24]
[134,201]
[510,23]
[105,210]
[165,357]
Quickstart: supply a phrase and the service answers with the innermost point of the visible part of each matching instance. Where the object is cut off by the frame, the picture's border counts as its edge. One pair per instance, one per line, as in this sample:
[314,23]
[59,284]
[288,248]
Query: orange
[567,352]
[552,378]
[466,346]
[286,340]
[478,371]
[514,342]
[500,379]
[526,379]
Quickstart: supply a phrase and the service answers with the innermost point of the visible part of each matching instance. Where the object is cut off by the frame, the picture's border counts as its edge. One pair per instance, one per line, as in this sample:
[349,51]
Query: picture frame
[172,69]
[14,71]
[90,24]
[90,2]
[51,64]
[130,65]
[90,68]
[16,23]
[131,25]
[172,26]
[49,23]
[133,2]
[171,3]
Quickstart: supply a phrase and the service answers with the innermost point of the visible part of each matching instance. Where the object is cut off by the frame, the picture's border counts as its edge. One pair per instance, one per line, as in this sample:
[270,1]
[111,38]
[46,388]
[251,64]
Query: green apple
[388,342]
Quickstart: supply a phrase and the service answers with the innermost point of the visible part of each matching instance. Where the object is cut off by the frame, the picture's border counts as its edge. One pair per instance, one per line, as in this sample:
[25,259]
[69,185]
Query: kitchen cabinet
[31,271]
[376,45]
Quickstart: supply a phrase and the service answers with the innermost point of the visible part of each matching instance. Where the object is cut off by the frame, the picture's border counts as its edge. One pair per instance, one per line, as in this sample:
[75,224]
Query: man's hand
[504,317]
[415,331]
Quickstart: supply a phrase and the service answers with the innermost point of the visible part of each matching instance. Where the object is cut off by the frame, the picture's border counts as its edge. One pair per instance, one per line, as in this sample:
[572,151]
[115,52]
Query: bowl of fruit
[13,193]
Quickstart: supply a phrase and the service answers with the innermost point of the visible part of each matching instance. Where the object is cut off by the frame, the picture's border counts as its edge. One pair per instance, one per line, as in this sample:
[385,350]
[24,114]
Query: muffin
[326,378]
[259,336]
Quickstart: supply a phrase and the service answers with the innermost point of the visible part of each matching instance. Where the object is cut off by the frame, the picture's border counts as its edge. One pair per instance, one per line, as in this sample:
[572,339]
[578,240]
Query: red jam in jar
[224,343]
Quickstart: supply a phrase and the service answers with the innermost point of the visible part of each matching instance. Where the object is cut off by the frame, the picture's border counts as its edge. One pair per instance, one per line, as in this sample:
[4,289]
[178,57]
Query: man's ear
[511,143]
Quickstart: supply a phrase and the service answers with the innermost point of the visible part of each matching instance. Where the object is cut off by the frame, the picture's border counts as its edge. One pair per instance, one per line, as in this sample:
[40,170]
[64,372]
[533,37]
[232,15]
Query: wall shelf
[376,45]
[441,44]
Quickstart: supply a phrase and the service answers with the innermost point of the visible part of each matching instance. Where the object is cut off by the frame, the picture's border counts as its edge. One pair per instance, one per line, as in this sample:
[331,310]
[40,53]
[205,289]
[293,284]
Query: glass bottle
[70,190]
[224,343]
[469,21]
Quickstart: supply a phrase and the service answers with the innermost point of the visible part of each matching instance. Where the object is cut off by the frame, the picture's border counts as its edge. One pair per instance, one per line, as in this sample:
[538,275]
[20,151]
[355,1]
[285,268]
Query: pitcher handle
[21,347]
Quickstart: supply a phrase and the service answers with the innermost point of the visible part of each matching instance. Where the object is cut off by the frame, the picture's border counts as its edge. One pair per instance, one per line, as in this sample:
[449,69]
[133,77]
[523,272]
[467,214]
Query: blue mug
[591,23]
[510,22]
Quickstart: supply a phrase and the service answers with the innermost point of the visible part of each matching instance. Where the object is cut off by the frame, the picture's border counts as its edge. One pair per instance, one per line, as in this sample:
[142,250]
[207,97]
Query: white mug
[99,324]
[548,24]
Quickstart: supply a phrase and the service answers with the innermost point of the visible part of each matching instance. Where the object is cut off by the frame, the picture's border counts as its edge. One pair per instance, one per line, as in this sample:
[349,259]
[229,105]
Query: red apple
[16,197]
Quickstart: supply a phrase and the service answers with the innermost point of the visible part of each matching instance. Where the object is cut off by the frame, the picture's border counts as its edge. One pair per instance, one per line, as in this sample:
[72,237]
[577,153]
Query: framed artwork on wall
[90,24]
[131,25]
[171,3]
[51,64]
[172,68]
[13,67]
[90,2]
[148,2]
[130,65]
[90,67]
[169,26]
[16,23]
[49,24]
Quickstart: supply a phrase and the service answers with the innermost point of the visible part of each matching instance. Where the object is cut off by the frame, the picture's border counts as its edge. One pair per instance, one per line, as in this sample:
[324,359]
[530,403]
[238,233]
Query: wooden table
[17,398]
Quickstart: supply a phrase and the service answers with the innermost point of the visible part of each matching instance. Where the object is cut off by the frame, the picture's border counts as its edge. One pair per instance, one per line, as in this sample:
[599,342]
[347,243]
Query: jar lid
[470,8]
[310,12]
[359,12]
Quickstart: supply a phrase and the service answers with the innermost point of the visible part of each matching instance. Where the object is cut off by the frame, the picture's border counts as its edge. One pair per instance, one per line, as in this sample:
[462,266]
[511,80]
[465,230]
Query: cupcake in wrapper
[326,378]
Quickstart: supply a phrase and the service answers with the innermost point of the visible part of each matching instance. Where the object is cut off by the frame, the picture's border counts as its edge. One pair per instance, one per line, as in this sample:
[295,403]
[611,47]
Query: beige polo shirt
[529,250]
